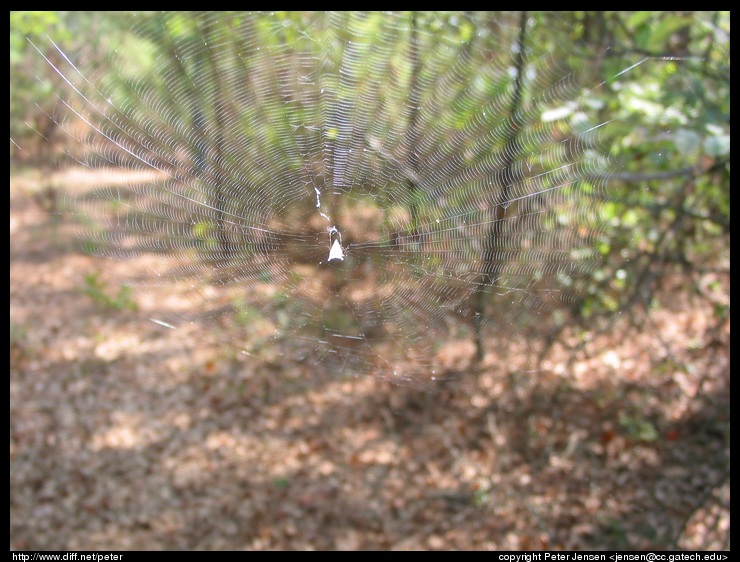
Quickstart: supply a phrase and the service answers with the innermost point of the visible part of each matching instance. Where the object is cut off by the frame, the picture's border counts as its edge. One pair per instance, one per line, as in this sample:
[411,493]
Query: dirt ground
[125,435]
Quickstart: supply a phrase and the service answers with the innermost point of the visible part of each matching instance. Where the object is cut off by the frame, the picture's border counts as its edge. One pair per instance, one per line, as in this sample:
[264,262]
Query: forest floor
[125,435]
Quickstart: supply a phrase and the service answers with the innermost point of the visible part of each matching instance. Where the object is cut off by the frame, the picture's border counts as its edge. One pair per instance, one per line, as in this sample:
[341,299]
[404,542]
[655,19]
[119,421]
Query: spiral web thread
[352,189]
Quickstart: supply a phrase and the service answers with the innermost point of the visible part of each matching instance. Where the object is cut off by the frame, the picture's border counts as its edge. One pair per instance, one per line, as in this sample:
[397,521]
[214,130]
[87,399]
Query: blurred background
[525,344]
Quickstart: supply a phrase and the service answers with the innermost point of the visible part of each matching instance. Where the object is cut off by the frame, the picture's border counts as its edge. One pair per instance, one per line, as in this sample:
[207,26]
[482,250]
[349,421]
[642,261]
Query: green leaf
[686,141]
[717,145]
[638,18]
[664,29]
[556,113]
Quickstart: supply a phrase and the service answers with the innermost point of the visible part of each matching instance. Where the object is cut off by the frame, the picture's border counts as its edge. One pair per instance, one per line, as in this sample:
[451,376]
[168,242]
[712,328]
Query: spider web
[356,190]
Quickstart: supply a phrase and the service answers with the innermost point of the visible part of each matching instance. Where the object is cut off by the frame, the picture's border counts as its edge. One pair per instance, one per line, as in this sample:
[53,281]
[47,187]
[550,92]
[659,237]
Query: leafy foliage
[659,80]
[98,291]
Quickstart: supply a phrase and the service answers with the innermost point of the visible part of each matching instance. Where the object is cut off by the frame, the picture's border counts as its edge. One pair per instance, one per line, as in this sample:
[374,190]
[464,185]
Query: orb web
[356,190]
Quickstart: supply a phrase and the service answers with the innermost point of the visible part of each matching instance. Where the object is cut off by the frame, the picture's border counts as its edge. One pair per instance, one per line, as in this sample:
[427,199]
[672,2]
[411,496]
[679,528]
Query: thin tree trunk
[413,132]
[492,263]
